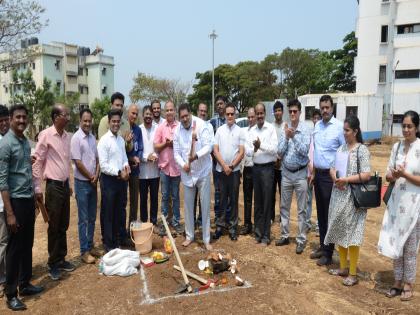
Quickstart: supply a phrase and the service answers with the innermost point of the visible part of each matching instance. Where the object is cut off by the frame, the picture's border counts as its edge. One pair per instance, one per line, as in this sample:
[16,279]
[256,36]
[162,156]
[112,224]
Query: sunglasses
[230,114]
[293,111]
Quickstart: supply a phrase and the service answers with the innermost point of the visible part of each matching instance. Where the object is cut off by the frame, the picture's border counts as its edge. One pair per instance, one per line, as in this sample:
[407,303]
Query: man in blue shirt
[293,149]
[328,136]
[134,158]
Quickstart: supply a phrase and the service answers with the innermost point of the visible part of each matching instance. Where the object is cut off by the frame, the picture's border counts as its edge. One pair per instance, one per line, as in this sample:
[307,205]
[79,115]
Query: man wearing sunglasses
[293,149]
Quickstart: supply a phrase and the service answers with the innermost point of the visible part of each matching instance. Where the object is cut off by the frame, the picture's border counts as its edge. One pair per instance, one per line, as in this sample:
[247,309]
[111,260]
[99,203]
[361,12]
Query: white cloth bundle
[120,262]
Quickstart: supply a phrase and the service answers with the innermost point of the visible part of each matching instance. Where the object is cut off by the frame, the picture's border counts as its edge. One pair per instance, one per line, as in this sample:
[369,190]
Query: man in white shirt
[262,146]
[228,151]
[193,143]
[149,170]
[114,173]
[247,180]
[4,128]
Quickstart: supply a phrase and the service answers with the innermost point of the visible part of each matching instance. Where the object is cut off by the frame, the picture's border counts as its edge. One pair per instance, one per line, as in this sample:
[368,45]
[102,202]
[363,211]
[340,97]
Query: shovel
[187,285]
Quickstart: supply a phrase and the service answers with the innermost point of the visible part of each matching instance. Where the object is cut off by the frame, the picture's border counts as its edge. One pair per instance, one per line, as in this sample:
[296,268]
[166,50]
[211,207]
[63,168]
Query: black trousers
[229,192]
[276,183]
[57,203]
[248,188]
[263,175]
[149,185]
[112,196]
[19,247]
[323,186]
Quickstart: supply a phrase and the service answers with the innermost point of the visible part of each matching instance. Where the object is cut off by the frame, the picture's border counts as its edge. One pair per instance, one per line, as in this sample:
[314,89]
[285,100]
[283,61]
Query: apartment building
[70,68]
[388,60]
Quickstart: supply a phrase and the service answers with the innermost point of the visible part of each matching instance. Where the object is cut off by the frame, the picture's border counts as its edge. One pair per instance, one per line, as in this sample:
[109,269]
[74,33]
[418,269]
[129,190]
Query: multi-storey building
[70,69]
[388,59]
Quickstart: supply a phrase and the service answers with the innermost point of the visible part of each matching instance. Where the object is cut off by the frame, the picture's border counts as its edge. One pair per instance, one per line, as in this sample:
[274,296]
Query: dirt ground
[277,280]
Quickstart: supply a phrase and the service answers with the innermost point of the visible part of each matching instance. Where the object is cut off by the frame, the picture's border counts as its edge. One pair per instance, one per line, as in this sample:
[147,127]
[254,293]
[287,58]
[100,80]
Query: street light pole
[212,36]
[392,96]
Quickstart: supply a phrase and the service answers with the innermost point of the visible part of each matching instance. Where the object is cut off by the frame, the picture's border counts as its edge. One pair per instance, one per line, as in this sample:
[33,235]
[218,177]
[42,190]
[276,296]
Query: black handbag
[390,187]
[366,194]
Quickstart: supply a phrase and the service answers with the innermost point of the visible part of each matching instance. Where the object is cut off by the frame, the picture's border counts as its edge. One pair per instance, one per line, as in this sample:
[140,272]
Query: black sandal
[393,292]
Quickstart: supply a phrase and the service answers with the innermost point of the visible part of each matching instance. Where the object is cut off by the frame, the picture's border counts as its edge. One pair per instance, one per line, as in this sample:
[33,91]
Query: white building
[70,68]
[388,58]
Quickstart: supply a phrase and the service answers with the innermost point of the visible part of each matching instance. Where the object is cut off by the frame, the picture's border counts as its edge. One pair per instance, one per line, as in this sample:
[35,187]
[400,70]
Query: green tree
[99,108]
[37,100]
[343,75]
[148,87]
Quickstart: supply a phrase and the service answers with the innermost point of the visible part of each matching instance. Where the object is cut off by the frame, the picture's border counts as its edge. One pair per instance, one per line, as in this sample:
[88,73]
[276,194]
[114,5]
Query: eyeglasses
[64,115]
[293,111]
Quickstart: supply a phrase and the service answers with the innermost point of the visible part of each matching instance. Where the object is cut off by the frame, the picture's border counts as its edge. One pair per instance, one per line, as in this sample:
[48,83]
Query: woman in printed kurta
[400,234]
[346,223]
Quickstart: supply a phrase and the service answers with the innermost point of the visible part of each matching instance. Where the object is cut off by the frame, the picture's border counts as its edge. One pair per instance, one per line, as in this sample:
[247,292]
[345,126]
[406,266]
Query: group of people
[131,162]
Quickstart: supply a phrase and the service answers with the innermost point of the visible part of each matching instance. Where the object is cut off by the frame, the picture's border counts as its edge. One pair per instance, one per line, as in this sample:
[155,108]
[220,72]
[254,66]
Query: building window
[6,89]
[397,119]
[308,112]
[384,33]
[33,65]
[103,71]
[80,89]
[86,90]
[382,74]
[351,111]
[408,28]
[80,71]
[104,89]
[24,65]
[58,85]
[57,65]
[407,74]
[87,71]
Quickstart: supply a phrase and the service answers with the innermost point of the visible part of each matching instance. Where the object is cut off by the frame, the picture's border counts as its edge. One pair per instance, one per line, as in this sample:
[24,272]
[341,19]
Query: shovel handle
[184,275]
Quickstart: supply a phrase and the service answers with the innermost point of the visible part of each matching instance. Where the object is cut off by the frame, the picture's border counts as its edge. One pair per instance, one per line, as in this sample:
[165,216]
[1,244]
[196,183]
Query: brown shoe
[87,258]
[97,252]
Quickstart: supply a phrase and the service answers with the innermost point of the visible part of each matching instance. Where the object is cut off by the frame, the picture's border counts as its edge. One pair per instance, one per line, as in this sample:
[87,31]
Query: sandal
[393,292]
[404,297]
[350,281]
[338,272]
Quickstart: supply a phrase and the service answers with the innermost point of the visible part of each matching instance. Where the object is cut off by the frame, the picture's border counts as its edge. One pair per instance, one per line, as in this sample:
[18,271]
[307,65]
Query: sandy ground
[278,280]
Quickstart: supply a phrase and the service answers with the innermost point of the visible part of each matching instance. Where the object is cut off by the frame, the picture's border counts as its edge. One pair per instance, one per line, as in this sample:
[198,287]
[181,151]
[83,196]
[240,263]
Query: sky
[169,39]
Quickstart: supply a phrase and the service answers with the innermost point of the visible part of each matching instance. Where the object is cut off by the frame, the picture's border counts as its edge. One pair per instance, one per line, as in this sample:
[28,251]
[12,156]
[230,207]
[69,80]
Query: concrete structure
[368,108]
[388,59]
[70,69]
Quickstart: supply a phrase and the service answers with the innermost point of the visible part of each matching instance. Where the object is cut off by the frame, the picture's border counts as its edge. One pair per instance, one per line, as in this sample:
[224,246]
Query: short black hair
[117,96]
[220,97]
[4,112]
[184,106]
[295,102]
[230,104]
[315,112]
[277,105]
[147,107]
[327,98]
[16,108]
[114,112]
[85,110]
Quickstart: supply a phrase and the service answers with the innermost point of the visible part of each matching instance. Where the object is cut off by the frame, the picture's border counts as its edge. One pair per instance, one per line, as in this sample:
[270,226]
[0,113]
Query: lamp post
[392,96]
[212,36]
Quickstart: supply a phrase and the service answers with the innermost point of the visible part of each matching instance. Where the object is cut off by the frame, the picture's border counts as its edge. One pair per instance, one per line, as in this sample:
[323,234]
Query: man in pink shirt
[52,164]
[170,175]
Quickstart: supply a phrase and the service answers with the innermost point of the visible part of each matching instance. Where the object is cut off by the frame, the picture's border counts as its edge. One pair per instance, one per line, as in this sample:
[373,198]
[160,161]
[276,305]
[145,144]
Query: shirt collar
[55,132]
[13,133]
[172,124]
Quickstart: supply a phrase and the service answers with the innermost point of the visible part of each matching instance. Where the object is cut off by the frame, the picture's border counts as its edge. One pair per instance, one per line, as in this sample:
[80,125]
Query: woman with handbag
[346,223]
[400,234]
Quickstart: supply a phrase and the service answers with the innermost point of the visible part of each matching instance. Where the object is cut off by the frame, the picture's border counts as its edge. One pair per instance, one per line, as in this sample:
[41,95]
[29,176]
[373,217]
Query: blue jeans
[170,185]
[86,198]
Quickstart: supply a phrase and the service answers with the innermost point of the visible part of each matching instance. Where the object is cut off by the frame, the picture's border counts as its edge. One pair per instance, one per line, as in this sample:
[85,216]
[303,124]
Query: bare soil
[279,280]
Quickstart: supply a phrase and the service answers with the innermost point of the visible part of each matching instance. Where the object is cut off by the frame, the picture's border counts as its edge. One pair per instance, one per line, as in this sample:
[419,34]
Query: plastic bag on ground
[120,262]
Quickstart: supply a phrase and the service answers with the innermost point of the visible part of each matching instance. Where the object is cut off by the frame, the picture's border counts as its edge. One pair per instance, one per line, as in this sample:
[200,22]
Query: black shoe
[324,261]
[66,266]
[283,241]
[299,248]
[55,273]
[31,290]
[233,236]
[15,304]
[217,234]
[316,254]
[245,229]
